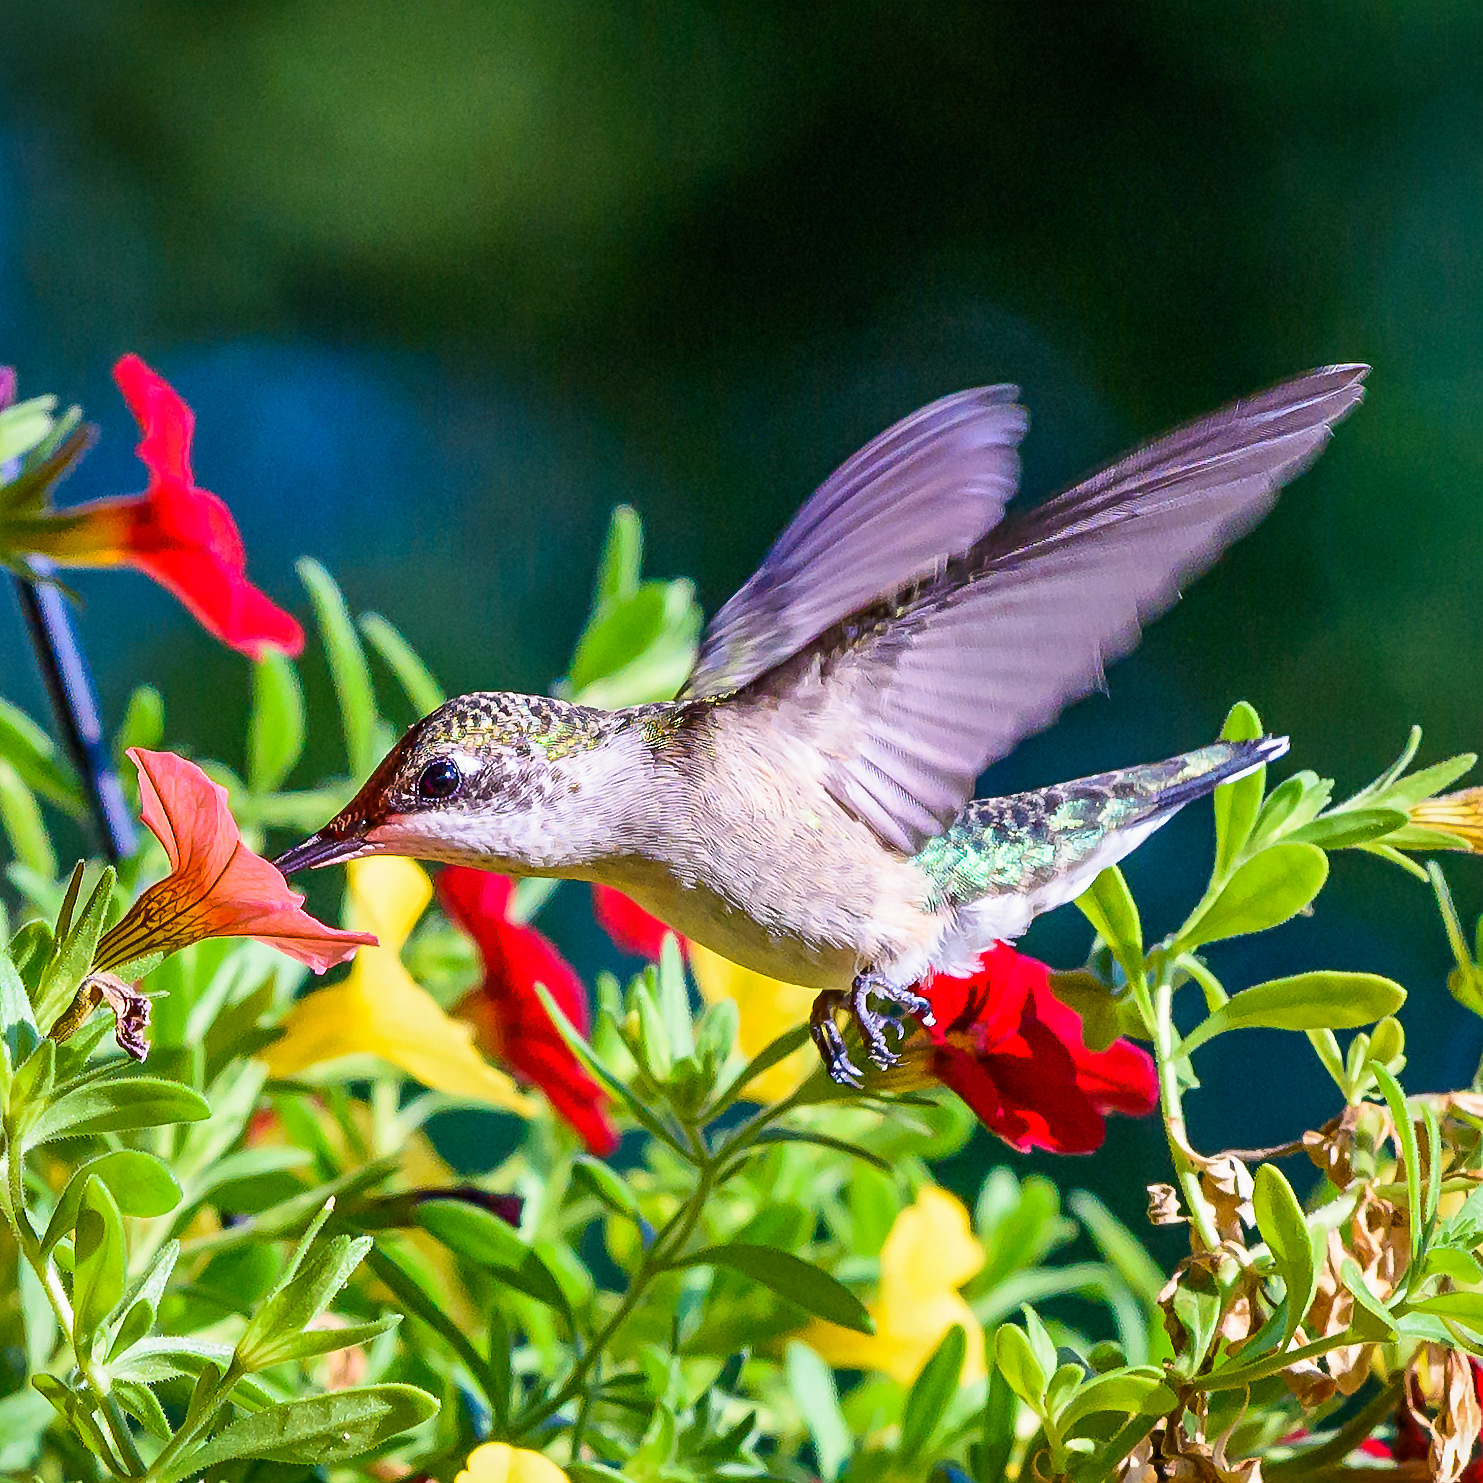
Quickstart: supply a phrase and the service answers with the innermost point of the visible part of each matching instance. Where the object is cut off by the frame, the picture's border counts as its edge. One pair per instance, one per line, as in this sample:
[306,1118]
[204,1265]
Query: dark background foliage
[445,281]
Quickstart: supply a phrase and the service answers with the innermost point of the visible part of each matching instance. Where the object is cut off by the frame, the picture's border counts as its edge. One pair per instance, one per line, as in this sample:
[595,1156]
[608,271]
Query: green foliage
[219,1270]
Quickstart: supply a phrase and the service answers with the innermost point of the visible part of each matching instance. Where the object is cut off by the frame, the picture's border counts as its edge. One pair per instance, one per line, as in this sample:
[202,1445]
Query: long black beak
[319,849]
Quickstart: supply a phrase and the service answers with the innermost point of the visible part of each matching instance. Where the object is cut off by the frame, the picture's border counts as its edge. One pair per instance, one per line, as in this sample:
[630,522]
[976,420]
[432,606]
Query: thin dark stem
[64,671]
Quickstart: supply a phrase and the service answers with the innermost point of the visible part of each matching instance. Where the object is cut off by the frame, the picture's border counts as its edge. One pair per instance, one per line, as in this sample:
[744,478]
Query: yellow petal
[384,1013]
[767,1007]
[498,1462]
[388,893]
[930,1252]
[931,1249]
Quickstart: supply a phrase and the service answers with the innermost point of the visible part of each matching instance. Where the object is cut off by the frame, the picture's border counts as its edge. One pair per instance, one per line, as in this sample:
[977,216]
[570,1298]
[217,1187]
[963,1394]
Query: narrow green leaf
[765,1059]
[825,1140]
[143,724]
[402,659]
[811,1384]
[275,736]
[337,1427]
[790,1277]
[73,957]
[1119,1247]
[932,1392]
[1395,1100]
[1425,781]
[609,1186]
[1284,1228]
[1108,905]
[98,1258]
[24,426]
[20,817]
[653,1039]
[348,667]
[1323,1000]
[1267,890]
[34,755]
[117,1106]
[1135,1391]
[17,1023]
[1381,1323]
[1462,1307]
[1348,828]
[674,999]
[621,563]
[492,1243]
[275,1329]
[1237,803]
[311,1343]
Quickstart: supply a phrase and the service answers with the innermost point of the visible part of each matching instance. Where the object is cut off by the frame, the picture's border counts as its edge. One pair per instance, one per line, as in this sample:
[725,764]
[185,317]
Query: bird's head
[486,779]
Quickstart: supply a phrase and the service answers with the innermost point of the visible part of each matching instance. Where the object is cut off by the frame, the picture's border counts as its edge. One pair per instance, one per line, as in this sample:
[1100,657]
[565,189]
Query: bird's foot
[872,1022]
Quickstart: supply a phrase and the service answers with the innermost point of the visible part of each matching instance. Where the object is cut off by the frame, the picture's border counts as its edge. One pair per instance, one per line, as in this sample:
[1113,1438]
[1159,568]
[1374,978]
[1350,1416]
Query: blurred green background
[445,281]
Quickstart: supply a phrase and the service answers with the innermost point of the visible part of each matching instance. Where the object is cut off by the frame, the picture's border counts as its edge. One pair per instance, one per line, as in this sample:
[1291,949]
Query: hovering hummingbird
[805,806]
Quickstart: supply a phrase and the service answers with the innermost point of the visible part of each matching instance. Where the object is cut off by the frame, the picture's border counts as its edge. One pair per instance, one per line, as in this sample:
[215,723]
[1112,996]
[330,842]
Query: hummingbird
[805,806]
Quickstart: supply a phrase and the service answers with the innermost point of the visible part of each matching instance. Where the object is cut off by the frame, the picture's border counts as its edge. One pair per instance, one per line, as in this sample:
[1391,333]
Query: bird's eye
[439,780]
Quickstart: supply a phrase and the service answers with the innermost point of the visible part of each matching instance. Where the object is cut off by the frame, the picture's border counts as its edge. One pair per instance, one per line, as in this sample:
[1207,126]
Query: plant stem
[194,1431]
[1347,1438]
[1172,1106]
[61,1306]
[1274,1364]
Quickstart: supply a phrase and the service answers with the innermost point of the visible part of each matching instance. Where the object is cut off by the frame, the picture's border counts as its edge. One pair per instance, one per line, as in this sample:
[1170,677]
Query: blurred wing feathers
[923,491]
[911,702]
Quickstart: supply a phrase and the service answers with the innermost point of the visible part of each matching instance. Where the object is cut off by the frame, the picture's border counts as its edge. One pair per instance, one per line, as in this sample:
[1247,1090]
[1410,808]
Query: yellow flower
[767,1007]
[380,1011]
[930,1253]
[1454,813]
[498,1462]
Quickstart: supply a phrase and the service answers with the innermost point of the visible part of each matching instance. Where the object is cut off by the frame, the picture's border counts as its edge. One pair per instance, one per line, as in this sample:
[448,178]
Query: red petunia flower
[216,886]
[632,928]
[182,536]
[1015,1054]
[513,1025]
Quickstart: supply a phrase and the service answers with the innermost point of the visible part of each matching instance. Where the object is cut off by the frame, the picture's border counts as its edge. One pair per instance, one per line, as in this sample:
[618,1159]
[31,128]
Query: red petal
[1121,1078]
[216,887]
[513,1024]
[632,928]
[163,417]
[184,536]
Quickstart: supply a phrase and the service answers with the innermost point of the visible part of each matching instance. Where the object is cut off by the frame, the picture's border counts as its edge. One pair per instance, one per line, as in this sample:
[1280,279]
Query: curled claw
[829,1042]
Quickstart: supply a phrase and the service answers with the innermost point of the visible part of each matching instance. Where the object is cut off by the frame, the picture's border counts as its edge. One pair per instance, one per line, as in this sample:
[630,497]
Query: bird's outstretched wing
[924,490]
[909,701]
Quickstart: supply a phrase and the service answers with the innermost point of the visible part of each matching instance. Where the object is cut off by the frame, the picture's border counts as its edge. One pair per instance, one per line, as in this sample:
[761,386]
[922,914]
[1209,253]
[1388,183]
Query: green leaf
[277,1327]
[1462,1307]
[1395,1100]
[790,1277]
[118,1105]
[1108,905]
[141,1301]
[17,1023]
[492,1243]
[1349,827]
[765,1059]
[621,563]
[1284,1228]
[402,659]
[1380,1324]
[20,817]
[811,1384]
[1291,804]
[348,667]
[141,1184]
[1323,1000]
[73,956]
[674,999]
[30,750]
[1237,803]
[1119,1247]
[311,1343]
[143,724]
[1405,793]
[1138,1391]
[654,1039]
[23,426]
[1267,890]
[932,1392]
[609,1187]
[275,737]
[338,1427]
[98,1258]
[824,1140]
[1015,1360]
